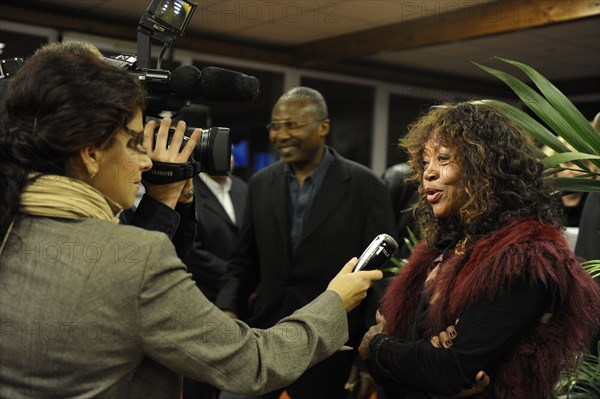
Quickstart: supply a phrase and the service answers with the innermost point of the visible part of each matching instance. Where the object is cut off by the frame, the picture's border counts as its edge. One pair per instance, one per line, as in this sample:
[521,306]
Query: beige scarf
[63,197]
[66,197]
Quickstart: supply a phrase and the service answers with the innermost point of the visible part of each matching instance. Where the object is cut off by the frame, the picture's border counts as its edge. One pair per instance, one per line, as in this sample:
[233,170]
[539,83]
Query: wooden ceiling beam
[55,20]
[194,42]
[441,84]
[436,84]
[452,25]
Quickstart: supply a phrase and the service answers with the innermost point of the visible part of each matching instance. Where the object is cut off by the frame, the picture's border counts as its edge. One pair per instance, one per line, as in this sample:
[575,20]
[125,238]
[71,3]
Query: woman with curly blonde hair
[492,263]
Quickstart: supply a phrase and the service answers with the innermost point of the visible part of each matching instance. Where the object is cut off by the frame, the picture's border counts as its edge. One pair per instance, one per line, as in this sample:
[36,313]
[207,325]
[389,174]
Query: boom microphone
[213,84]
[379,250]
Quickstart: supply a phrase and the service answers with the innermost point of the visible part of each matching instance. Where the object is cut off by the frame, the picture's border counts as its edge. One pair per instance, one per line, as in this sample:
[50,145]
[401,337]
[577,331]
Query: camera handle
[144,50]
[167,172]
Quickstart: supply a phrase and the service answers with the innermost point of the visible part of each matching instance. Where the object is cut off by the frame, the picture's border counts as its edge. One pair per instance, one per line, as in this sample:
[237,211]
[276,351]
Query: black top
[179,223]
[414,369]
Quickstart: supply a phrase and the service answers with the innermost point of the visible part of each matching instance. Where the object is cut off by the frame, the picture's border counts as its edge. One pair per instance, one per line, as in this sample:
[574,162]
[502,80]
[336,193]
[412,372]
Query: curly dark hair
[64,98]
[501,173]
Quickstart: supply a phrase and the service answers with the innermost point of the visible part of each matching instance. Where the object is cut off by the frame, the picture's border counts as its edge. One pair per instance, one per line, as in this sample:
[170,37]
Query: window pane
[19,44]
[403,111]
[351,113]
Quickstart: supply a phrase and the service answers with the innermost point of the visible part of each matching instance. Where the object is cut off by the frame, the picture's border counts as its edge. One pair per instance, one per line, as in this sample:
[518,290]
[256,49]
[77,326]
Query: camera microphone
[213,84]
[379,250]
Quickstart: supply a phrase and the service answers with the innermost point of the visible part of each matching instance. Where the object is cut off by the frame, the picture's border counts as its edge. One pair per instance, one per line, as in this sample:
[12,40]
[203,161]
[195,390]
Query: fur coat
[523,250]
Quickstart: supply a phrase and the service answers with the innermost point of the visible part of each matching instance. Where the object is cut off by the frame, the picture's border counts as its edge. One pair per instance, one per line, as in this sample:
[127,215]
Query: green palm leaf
[562,104]
[578,184]
[592,267]
[533,127]
[547,113]
[557,159]
[560,118]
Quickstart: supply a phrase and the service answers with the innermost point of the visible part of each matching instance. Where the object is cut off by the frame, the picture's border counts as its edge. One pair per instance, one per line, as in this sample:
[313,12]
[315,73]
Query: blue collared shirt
[301,199]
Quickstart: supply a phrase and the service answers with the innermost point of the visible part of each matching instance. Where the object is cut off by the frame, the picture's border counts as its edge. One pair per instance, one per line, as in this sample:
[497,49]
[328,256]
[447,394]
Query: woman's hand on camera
[162,151]
[352,287]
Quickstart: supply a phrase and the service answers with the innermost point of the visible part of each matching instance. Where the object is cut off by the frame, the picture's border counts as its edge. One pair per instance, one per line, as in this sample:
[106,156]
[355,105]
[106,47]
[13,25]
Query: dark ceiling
[425,43]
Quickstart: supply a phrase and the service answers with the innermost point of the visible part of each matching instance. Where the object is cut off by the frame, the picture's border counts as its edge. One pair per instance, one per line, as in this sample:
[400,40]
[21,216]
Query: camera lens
[213,151]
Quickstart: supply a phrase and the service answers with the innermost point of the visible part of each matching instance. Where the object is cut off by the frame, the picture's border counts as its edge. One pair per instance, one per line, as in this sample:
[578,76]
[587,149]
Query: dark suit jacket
[215,235]
[351,208]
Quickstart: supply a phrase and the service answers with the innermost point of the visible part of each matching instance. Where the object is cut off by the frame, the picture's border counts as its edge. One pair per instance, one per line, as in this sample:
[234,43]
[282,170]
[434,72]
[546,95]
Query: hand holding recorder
[352,287]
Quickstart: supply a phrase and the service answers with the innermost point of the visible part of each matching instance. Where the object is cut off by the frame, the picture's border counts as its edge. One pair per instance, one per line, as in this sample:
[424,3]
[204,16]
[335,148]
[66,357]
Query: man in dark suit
[219,206]
[305,215]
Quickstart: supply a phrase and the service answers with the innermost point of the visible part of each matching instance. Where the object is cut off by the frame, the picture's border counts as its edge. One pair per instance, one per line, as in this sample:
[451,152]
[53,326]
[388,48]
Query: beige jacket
[93,309]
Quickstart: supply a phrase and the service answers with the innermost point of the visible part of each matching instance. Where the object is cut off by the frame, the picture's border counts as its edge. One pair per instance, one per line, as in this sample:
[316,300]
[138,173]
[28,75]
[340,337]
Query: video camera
[167,91]
[164,21]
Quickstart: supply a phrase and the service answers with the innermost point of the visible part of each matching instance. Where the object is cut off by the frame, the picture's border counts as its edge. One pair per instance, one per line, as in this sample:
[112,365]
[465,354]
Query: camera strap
[166,172]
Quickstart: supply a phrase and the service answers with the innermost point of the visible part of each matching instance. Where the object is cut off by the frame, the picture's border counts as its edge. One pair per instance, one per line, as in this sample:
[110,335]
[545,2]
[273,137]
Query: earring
[92,175]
